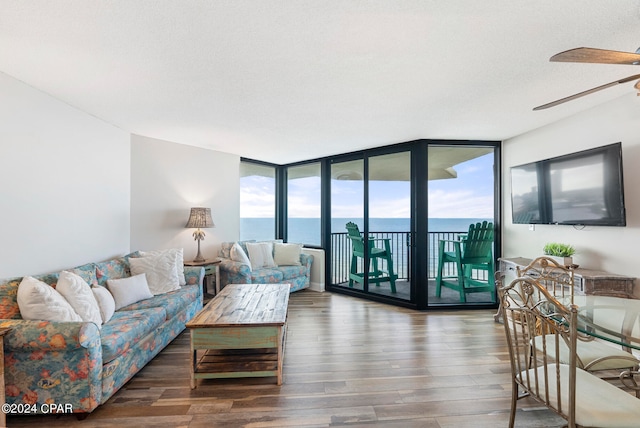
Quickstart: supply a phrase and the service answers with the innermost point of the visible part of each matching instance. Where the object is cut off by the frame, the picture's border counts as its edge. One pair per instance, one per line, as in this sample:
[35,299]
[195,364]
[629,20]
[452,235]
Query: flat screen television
[582,188]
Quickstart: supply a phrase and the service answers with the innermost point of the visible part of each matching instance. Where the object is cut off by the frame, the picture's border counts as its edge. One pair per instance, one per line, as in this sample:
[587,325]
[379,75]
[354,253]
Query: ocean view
[307,230]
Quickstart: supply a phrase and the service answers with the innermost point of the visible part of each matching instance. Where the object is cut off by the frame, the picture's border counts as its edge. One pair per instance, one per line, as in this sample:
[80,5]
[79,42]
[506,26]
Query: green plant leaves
[559,250]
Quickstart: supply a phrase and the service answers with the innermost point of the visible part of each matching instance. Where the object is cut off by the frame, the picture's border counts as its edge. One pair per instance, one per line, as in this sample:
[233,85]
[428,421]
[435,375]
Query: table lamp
[199,218]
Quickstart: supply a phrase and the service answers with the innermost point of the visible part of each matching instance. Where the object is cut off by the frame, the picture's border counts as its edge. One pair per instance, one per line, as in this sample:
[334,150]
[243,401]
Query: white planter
[562,261]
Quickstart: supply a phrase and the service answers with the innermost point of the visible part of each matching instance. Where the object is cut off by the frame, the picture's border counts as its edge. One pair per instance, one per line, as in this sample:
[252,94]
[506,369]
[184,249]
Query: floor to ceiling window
[461,192]
[347,206]
[390,224]
[257,201]
[304,200]
[380,216]
[371,225]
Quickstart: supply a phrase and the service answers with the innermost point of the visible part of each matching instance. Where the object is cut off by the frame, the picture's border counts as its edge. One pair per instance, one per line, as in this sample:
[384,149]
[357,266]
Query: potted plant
[562,253]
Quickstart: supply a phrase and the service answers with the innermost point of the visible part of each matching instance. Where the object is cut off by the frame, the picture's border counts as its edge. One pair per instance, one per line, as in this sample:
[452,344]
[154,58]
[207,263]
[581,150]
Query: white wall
[64,184]
[168,179]
[316,280]
[613,249]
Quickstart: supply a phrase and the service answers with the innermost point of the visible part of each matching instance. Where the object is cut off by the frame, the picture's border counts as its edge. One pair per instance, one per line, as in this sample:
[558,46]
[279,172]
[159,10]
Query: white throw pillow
[287,254]
[161,272]
[261,254]
[178,254]
[79,295]
[105,302]
[39,301]
[126,291]
[238,255]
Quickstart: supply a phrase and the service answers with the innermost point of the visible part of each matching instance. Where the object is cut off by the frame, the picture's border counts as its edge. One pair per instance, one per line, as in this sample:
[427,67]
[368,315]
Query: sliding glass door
[390,224]
[371,225]
[347,207]
[461,193]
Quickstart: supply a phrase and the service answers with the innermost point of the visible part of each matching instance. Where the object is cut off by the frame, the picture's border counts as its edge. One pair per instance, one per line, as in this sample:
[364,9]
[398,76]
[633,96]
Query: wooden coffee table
[240,333]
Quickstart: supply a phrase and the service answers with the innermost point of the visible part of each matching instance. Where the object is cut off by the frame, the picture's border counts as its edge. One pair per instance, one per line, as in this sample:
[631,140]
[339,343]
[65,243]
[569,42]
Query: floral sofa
[78,363]
[235,272]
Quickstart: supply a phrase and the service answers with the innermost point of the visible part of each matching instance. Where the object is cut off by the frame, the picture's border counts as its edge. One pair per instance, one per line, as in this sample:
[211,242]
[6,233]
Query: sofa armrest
[31,335]
[306,260]
[234,272]
[194,275]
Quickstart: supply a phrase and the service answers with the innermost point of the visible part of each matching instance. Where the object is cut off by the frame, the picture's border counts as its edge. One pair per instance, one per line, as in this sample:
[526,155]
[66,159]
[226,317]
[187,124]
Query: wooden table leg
[217,279]
[194,362]
[281,334]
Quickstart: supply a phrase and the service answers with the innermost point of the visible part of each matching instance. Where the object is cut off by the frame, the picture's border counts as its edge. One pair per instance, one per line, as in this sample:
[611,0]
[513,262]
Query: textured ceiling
[283,81]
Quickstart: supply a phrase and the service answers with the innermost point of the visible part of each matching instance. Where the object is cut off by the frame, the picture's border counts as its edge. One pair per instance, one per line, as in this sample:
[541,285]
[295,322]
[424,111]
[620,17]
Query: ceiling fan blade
[590,91]
[596,56]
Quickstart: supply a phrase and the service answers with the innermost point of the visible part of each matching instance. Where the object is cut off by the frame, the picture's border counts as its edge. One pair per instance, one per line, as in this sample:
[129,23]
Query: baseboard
[316,286]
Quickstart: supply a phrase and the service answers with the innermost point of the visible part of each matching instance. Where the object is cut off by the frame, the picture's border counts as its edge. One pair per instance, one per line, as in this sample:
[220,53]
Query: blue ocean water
[307,230]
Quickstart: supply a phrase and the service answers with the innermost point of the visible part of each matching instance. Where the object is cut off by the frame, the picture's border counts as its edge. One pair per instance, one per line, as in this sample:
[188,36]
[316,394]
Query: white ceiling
[289,80]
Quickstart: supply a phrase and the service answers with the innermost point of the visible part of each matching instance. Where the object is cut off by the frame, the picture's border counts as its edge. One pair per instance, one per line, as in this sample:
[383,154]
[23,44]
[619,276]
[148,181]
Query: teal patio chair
[376,274]
[471,253]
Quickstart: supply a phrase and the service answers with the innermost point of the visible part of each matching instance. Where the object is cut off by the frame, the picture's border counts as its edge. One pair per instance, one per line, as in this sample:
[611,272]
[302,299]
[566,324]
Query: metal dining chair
[594,355]
[578,396]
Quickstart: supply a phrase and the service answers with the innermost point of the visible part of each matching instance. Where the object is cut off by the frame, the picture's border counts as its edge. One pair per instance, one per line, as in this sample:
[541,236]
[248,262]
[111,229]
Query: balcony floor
[447,297]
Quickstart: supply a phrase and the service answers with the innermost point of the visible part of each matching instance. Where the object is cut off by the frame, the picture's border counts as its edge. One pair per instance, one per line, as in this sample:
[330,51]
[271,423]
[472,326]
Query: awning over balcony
[442,159]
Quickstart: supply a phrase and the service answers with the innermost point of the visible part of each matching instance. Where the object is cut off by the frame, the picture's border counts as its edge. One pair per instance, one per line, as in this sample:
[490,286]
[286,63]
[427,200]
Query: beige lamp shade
[200,218]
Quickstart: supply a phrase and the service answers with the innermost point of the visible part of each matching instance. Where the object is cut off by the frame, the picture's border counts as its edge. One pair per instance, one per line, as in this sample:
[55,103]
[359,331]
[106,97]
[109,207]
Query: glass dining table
[614,319]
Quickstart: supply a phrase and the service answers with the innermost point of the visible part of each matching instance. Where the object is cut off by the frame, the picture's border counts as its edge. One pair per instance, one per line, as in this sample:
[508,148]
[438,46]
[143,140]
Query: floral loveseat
[236,272]
[78,363]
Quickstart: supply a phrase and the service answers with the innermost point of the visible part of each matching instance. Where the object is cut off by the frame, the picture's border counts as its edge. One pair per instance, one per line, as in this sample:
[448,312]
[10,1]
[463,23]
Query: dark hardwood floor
[348,362]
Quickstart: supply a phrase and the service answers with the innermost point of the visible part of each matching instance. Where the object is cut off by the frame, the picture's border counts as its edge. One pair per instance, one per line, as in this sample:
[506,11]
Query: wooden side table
[211,267]
[587,281]
[3,416]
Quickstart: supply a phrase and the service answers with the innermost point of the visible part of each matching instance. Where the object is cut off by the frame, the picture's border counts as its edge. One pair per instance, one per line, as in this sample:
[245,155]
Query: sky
[470,195]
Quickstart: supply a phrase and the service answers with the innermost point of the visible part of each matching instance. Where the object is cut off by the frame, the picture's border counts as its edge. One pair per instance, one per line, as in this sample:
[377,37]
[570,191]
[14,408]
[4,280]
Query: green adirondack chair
[375,272]
[473,252]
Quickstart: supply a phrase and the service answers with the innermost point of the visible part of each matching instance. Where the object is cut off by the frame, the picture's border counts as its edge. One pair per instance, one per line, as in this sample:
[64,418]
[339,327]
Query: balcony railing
[401,253]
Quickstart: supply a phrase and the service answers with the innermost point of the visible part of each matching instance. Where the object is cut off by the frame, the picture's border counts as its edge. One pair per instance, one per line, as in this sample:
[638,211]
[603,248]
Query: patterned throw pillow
[86,272]
[112,269]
